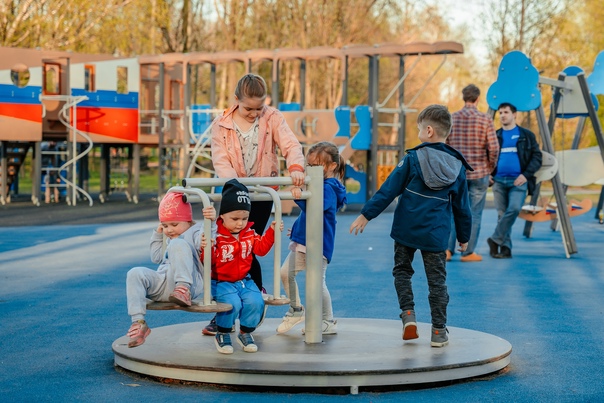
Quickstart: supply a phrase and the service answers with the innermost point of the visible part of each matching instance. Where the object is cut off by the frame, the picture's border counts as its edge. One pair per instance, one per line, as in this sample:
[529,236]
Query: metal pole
[104,172]
[578,133]
[160,133]
[528,225]
[314,257]
[3,173]
[401,102]
[212,86]
[345,83]
[570,244]
[302,83]
[595,122]
[207,231]
[74,153]
[277,246]
[37,174]
[373,100]
[591,111]
[275,85]
[136,172]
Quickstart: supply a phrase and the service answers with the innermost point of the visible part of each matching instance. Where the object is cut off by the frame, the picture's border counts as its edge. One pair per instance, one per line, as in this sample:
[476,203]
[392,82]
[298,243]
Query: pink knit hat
[173,208]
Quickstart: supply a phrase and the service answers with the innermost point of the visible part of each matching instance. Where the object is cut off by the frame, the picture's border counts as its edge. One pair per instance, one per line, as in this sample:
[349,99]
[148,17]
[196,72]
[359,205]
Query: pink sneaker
[138,332]
[181,296]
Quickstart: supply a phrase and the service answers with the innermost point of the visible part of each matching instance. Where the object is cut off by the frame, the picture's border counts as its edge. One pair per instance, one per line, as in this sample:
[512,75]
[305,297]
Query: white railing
[65,117]
[260,190]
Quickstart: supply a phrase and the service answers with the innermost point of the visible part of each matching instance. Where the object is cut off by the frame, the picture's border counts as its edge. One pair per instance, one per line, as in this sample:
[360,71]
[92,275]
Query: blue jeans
[508,202]
[477,190]
[436,274]
[246,300]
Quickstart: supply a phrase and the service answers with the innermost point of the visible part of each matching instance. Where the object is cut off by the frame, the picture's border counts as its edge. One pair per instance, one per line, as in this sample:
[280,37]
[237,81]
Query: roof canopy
[316,53]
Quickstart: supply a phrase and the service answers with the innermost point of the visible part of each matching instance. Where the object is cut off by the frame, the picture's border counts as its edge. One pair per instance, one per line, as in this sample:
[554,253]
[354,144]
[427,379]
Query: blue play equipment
[596,78]
[517,83]
[342,114]
[289,107]
[348,143]
[362,138]
[200,121]
[361,141]
[357,176]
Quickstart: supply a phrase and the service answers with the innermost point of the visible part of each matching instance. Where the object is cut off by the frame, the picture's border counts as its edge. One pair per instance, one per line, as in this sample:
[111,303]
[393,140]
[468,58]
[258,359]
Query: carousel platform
[365,352]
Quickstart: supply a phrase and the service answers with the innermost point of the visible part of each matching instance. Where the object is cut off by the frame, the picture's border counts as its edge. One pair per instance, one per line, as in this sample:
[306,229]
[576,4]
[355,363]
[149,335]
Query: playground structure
[125,104]
[518,82]
[64,97]
[350,359]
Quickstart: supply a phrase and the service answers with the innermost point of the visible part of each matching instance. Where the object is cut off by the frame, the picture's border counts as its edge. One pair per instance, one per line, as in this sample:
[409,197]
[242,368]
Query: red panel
[119,123]
[31,112]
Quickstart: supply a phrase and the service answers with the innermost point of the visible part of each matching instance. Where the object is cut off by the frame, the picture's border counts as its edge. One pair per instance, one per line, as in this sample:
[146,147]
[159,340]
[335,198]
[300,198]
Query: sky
[467,12]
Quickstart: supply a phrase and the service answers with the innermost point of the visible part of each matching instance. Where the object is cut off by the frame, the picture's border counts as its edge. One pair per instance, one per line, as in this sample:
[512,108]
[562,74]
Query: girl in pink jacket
[244,144]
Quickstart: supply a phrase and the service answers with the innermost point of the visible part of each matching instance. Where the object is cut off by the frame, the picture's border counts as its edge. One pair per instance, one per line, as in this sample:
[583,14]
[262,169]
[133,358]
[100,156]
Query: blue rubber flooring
[63,302]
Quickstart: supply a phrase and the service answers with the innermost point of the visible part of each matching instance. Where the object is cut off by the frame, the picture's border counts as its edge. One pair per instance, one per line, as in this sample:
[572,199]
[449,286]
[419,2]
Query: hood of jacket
[340,191]
[440,164]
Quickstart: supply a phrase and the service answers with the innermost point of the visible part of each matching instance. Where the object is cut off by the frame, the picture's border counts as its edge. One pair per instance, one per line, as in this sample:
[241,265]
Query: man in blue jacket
[514,176]
[431,184]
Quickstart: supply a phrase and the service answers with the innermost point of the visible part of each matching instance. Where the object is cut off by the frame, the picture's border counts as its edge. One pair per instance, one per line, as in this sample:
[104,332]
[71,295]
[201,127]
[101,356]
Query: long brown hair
[327,152]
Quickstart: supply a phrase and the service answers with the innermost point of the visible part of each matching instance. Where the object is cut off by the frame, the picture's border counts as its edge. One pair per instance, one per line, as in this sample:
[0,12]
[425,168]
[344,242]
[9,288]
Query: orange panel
[31,112]
[118,123]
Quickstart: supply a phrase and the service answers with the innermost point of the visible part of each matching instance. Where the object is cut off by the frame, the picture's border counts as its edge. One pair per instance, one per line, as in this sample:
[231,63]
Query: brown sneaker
[472,257]
[138,332]
[181,296]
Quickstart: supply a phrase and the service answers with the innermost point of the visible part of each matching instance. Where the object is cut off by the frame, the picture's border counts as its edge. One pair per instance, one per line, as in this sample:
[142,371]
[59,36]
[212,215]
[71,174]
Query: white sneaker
[223,343]
[328,327]
[291,319]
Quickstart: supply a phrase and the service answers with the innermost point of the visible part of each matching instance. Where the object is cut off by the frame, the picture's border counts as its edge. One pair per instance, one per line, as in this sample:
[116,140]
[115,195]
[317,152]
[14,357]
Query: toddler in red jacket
[231,262]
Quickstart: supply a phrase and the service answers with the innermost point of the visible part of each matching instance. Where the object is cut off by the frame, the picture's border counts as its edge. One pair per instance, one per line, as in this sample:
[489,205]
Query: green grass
[148,181]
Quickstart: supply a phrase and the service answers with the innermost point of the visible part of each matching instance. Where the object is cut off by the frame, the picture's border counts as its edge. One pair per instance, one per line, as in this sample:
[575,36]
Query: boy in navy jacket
[431,184]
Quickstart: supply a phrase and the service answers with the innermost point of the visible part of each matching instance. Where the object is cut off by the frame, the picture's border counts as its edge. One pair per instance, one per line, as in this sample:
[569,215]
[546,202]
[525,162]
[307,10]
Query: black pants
[436,274]
[259,215]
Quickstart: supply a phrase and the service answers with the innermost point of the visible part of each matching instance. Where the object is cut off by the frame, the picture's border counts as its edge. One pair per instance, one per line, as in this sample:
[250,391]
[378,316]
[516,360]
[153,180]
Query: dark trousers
[436,274]
[259,215]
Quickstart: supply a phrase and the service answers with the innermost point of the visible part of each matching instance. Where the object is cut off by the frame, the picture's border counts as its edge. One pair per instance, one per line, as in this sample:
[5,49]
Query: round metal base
[365,352]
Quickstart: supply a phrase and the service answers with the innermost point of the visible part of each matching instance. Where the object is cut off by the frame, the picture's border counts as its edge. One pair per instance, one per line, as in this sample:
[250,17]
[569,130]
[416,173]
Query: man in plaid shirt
[473,135]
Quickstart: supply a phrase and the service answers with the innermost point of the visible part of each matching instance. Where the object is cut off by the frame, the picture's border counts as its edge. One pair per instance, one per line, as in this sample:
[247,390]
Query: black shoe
[211,329]
[493,248]
[506,253]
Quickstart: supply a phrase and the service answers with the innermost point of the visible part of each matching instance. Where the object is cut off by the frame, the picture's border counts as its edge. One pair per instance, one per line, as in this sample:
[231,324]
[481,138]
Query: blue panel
[291,107]
[361,177]
[517,83]
[596,78]
[26,95]
[201,121]
[362,139]
[343,118]
[572,71]
[107,99]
